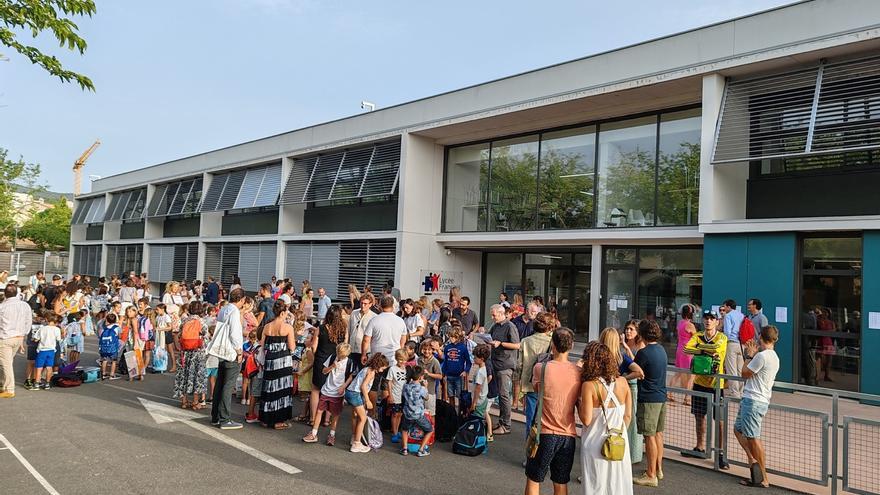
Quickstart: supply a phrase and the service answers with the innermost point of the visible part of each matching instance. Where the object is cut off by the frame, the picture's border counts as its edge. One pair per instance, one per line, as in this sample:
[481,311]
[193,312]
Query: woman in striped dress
[276,399]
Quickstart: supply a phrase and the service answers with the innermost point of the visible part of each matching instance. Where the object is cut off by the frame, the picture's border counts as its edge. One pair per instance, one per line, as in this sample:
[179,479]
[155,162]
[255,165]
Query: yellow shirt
[716,347]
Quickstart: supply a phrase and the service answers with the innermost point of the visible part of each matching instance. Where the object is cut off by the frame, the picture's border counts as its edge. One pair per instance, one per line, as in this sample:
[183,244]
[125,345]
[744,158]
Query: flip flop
[755,471]
[752,485]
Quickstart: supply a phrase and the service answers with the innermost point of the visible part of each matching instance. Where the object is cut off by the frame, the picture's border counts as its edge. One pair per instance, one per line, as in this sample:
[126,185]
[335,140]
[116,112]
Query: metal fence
[814,444]
[23,264]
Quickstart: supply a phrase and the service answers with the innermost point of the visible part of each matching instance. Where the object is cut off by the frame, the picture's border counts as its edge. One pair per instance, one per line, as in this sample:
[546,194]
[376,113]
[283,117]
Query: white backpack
[374,434]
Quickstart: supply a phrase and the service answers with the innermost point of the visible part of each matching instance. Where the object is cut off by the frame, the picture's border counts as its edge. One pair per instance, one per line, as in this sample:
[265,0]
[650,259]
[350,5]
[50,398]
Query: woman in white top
[415,323]
[602,386]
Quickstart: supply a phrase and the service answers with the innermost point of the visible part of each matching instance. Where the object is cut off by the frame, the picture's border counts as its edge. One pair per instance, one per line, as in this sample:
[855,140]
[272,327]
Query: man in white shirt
[357,325]
[386,333]
[759,370]
[15,322]
[227,371]
[324,303]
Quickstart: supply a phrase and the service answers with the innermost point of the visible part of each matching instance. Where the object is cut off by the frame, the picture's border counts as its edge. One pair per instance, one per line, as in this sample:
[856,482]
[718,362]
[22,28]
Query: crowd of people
[382,355]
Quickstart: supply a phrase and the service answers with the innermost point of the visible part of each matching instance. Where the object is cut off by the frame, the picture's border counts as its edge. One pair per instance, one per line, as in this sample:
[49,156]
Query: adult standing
[756,314]
[191,377]
[212,292]
[469,320]
[324,303]
[651,413]
[685,329]
[307,305]
[760,370]
[276,397]
[331,333]
[15,322]
[525,322]
[525,326]
[505,344]
[632,373]
[127,294]
[733,357]
[354,298]
[531,347]
[36,281]
[287,294]
[395,292]
[227,371]
[357,324]
[385,333]
[605,404]
[415,323]
[265,310]
[561,388]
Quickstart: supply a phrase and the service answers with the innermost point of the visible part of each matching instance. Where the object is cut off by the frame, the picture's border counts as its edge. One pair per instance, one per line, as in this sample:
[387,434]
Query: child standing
[431,368]
[415,394]
[411,347]
[478,382]
[456,365]
[108,345]
[358,395]
[48,336]
[74,331]
[396,381]
[339,370]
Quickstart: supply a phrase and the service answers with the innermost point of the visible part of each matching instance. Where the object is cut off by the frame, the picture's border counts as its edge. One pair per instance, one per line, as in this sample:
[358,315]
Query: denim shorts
[555,454]
[355,399]
[211,372]
[45,359]
[421,422]
[749,417]
[453,386]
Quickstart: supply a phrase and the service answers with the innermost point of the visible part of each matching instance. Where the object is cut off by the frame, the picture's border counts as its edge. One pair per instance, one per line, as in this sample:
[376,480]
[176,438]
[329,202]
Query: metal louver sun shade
[335,265]
[127,205]
[830,108]
[90,210]
[348,174]
[248,188]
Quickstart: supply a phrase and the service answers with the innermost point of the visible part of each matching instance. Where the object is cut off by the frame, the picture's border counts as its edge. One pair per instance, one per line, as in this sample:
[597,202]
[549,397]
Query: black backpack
[65,380]
[470,439]
[447,421]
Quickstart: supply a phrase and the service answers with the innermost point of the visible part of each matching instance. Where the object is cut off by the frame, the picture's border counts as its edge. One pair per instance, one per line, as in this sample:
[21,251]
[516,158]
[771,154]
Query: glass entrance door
[830,312]
[565,291]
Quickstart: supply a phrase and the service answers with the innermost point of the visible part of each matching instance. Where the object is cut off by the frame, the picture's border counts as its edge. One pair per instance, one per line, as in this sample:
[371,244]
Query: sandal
[281,426]
[302,419]
[185,405]
[752,484]
[197,407]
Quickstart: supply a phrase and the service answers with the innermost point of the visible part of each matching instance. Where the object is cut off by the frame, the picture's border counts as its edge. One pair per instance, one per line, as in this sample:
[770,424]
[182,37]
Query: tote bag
[220,346]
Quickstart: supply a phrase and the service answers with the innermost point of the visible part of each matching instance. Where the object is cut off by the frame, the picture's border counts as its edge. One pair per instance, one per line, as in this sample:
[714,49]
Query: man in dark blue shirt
[265,311]
[525,322]
[651,410]
[212,291]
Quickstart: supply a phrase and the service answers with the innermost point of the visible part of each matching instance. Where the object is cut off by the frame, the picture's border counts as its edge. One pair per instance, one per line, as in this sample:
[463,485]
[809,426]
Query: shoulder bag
[614,446]
[220,346]
[534,439]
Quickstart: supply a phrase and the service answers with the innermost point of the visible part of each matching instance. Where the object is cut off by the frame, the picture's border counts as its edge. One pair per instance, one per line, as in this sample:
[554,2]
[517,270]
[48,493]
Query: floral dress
[191,376]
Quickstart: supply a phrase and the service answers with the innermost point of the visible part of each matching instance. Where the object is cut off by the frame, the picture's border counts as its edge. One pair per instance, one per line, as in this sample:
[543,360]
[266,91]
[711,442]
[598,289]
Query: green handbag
[614,446]
[702,364]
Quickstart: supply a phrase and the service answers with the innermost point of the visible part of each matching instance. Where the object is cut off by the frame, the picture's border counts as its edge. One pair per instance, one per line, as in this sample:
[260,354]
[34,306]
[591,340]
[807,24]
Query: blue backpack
[108,344]
[470,439]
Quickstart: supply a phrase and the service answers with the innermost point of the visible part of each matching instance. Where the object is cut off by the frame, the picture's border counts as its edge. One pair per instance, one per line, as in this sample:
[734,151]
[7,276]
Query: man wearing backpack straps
[227,371]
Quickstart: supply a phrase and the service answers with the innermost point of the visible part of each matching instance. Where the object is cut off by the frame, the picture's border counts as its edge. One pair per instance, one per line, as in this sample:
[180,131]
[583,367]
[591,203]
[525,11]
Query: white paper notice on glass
[717,310]
[612,305]
[781,314]
[622,304]
[874,321]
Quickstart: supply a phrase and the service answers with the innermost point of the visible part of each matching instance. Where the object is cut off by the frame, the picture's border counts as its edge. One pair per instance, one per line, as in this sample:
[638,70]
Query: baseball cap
[710,314]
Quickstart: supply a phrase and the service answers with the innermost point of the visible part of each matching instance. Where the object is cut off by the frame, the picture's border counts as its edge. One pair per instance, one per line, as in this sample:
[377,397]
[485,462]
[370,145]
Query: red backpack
[191,335]
[746,330]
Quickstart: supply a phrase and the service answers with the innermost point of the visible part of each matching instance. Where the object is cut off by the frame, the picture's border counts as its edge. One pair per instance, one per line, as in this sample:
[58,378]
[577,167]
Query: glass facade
[831,312]
[627,173]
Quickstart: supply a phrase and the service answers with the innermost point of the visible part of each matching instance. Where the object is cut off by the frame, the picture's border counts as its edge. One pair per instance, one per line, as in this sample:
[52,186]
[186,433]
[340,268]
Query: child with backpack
[431,367]
[147,327]
[48,336]
[358,395]
[108,347]
[74,340]
[396,380]
[415,394]
[478,382]
[339,370]
[456,364]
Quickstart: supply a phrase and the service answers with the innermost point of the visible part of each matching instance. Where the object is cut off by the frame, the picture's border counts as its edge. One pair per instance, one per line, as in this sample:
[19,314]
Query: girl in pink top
[686,329]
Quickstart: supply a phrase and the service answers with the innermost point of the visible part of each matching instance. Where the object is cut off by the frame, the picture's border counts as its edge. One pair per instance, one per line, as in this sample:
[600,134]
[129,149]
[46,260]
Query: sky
[177,78]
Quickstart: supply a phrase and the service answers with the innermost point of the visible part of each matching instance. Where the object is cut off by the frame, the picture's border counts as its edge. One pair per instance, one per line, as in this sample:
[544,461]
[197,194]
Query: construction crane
[78,166]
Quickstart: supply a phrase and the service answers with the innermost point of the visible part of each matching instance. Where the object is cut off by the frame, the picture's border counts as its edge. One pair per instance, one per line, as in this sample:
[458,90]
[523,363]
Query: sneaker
[396,437]
[644,480]
[500,430]
[660,475]
[251,419]
[723,464]
[215,423]
[310,438]
[7,395]
[244,402]
[404,452]
[490,438]
[115,377]
[423,453]
[46,386]
[231,425]
[359,448]
[31,386]
[331,440]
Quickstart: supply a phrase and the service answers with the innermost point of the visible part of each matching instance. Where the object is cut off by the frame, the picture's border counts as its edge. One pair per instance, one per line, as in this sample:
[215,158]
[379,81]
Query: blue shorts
[453,386]
[355,399]
[749,417]
[556,455]
[421,422]
[45,359]
[211,372]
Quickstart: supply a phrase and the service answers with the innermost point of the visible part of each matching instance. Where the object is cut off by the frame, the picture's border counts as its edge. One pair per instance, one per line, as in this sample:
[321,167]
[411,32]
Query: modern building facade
[739,160]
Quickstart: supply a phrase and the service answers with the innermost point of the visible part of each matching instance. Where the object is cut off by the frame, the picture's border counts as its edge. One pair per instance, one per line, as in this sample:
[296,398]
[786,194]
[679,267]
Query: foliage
[39,16]
[50,228]
[15,176]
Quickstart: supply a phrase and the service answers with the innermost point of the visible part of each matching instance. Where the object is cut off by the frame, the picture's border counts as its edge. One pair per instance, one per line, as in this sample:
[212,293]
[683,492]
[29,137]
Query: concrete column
[280,259]
[145,260]
[596,299]
[153,227]
[713,93]
[104,252]
[200,262]
[290,217]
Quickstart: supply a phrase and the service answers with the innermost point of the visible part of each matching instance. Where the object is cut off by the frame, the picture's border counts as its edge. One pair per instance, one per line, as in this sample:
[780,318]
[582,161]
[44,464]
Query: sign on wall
[439,282]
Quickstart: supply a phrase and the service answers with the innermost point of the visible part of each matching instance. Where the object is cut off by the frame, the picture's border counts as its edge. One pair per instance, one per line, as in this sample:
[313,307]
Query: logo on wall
[439,282]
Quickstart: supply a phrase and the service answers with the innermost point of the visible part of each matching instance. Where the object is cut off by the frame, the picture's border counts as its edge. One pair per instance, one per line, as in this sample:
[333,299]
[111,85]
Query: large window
[626,173]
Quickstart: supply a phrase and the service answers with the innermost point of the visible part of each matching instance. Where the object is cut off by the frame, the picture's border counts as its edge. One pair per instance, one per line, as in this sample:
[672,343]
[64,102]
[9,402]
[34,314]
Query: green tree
[16,176]
[53,16]
[50,228]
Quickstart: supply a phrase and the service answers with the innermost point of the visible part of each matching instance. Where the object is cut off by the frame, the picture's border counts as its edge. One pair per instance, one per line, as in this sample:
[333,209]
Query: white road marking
[24,462]
[162,413]
[117,387]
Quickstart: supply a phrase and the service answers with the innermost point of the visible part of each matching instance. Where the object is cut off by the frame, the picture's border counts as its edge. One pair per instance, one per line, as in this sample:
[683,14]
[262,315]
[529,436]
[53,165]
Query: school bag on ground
[108,343]
[90,374]
[66,380]
[470,439]
[416,434]
[160,360]
[374,434]
[190,335]
[447,422]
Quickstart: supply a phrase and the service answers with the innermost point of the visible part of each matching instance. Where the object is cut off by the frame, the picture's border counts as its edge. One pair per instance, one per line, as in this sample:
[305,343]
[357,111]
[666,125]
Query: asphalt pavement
[101,438]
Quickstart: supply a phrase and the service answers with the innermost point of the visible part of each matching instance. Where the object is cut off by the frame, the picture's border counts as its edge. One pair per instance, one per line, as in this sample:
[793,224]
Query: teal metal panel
[870,303]
[725,258]
[771,278]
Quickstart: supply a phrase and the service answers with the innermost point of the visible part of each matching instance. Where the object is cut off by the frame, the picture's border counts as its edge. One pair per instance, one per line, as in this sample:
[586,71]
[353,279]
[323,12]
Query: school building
[736,160]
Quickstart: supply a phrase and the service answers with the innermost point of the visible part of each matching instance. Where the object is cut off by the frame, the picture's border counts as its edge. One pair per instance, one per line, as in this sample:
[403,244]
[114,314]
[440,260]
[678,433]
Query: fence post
[716,409]
[45,256]
[834,412]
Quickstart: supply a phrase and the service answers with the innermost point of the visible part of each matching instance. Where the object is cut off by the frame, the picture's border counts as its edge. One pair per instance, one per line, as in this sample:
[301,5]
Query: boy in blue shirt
[456,365]
[414,395]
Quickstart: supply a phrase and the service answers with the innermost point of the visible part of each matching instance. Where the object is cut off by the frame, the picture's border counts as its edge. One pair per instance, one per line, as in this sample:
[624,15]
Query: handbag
[614,446]
[534,439]
[220,346]
[702,364]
